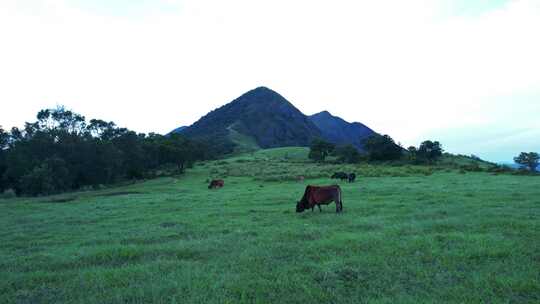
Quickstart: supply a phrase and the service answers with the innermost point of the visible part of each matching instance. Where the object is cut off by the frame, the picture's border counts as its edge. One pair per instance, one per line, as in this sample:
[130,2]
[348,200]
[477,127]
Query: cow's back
[322,194]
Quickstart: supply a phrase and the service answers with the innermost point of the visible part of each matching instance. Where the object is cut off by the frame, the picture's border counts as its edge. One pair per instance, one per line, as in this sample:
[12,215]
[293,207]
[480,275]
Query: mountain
[260,118]
[179,129]
[339,131]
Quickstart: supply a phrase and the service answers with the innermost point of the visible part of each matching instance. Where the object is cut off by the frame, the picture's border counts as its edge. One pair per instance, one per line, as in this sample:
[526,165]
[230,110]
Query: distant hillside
[260,118]
[339,131]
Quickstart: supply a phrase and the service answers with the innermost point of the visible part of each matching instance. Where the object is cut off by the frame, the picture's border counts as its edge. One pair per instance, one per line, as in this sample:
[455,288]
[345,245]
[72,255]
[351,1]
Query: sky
[463,72]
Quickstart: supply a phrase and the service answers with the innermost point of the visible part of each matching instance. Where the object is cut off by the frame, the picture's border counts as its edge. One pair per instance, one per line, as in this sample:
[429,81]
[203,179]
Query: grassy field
[408,234]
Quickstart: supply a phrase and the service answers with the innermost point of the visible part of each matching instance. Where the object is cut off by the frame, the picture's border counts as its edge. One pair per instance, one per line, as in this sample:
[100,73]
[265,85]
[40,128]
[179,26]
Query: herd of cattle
[313,195]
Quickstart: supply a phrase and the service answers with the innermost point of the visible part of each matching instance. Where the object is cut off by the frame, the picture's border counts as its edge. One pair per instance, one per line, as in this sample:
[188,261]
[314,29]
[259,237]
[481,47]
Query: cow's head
[301,206]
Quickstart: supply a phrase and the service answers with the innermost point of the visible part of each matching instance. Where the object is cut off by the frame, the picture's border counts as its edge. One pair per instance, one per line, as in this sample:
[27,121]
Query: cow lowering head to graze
[340,175]
[320,195]
[216,183]
[352,177]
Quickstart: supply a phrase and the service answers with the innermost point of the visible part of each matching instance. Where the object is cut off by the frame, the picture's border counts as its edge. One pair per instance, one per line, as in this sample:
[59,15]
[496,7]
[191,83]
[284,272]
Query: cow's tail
[339,199]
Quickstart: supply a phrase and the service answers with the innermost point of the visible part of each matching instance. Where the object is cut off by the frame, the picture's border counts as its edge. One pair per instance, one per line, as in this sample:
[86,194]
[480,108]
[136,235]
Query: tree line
[383,148]
[376,148]
[63,151]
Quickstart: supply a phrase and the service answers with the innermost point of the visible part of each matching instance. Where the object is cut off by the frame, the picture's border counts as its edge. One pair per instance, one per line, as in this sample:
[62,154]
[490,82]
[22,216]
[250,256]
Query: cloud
[406,68]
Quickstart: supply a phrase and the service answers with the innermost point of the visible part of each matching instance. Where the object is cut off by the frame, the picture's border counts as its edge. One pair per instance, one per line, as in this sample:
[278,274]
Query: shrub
[48,178]
[500,169]
[474,167]
[7,194]
[382,147]
[523,171]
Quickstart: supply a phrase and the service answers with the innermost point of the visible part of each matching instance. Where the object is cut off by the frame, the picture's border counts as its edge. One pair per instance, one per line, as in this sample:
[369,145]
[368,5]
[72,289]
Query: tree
[529,160]
[382,147]
[347,154]
[60,152]
[48,178]
[413,153]
[4,139]
[429,151]
[320,149]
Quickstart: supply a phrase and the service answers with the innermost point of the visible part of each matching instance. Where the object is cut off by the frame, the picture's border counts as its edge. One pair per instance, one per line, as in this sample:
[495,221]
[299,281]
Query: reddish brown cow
[216,183]
[320,195]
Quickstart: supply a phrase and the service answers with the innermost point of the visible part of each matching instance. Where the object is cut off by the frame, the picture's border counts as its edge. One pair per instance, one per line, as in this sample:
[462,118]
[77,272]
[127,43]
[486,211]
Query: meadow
[408,234]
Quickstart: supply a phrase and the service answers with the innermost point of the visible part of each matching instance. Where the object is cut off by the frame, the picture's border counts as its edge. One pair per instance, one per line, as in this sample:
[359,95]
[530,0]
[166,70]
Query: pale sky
[464,72]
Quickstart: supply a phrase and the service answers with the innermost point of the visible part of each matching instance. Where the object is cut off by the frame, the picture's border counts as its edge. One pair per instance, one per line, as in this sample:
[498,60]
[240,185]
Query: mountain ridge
[261,114]
[339,131]
[262,118]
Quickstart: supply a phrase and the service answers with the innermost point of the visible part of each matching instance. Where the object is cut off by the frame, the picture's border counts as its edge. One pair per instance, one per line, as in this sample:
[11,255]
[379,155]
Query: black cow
[352,177]
[340,175]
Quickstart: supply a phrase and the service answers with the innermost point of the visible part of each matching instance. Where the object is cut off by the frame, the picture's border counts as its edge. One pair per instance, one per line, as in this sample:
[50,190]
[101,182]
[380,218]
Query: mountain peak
[262,89]
[262,116]
[261,94]
[323,114]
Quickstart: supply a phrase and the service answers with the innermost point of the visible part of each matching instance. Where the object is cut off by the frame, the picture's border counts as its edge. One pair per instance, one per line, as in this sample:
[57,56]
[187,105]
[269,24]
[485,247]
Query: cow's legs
[339,205]
[320,210]
[312,208]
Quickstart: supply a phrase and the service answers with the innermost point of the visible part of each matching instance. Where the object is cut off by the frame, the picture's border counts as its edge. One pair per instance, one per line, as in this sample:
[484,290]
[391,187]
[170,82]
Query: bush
[48,178]
[347,154]
[500,169]
[523,171]
[474,167]
[7,194]
[382,147]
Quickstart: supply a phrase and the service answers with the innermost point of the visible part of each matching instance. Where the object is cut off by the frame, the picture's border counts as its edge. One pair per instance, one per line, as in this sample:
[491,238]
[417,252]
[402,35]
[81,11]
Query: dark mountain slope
[261,115]
[179,129]
[339,131]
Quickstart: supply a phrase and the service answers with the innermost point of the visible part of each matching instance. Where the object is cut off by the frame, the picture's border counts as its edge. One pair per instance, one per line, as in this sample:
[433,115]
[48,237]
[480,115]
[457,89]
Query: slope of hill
[179,129]
[261,116]
[339,131]
[446,237]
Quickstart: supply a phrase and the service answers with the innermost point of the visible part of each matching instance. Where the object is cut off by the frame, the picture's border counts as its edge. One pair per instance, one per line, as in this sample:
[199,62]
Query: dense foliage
[320,149]
[529,160]
[382,147]
[428,152]
[347,154]
[62,151]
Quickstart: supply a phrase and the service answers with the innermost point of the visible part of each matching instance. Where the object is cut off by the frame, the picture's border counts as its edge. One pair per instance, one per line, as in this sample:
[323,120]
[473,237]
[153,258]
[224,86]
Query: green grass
[243,142]
[407,235]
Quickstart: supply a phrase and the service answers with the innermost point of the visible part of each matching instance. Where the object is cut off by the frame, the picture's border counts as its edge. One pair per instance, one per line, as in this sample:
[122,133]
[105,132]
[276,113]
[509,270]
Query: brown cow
[216,183]
[320,195]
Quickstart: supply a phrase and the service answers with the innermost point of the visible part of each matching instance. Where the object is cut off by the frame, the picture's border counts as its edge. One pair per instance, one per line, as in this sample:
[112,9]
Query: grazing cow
[352,177]
[340,175]
[320,195]
[216,183]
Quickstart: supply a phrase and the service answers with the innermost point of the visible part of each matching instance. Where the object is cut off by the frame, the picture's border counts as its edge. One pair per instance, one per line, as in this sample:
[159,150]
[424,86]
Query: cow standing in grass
[340,175]
[216,183]
[320,195]
[352,177]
